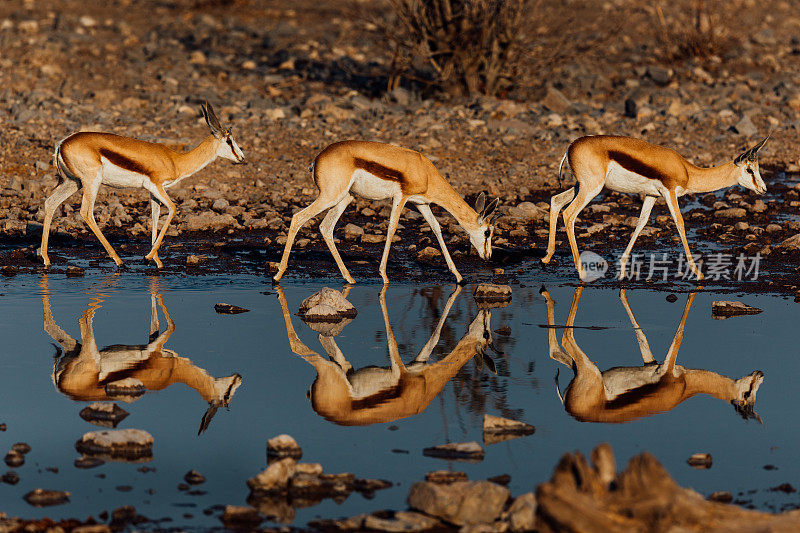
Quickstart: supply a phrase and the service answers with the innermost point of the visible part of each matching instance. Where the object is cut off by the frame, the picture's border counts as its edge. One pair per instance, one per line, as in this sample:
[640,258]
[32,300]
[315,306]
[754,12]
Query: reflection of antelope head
[125,372]
[371,395]
[621,394]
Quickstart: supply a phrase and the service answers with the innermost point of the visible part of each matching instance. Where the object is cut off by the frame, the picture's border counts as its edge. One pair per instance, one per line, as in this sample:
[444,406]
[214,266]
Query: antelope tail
[560,166]
[61,167]
[558,389]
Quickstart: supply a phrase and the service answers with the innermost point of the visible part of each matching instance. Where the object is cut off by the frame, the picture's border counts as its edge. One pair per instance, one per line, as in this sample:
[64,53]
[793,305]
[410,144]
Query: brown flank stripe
[376,169]
[122,161]
[632,164]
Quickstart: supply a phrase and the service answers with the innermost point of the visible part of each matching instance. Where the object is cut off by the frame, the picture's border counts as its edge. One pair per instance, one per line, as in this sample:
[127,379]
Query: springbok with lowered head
[378,171]
[628,165]
[625,393]
[87,160]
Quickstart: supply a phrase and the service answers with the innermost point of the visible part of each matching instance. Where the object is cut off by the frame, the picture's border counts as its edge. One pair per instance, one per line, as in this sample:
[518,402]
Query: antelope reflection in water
[374,394]
[124,372]
[625,393]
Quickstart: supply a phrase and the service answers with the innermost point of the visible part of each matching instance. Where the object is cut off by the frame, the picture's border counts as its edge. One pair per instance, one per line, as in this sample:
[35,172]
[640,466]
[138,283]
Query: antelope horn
[753,152]
[211,118]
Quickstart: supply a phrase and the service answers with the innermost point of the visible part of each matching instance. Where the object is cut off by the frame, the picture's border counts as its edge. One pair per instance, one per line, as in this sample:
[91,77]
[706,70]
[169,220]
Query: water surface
[192,371]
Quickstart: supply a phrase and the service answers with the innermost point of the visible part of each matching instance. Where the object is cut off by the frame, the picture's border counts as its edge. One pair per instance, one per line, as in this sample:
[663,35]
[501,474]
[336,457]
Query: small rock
[721,310]
[119,444]
[502,479]
[721,496]
[9,270]
[14,459]
[86,462]
[75,272]
[275,479]
[353,232]
[746,127]
[238,515]
[731,212]
[671,298]
[786,488]
[194,260]
[443,477]
[10,478]
[283,446]
[660,75]
[193,477]
[471,451]
[428,253]
[368,238]
[792,243]
[21,447]
[371,485]
[229,309]
[331,298]
[700,460]
[105,414]
[492,295]
[400,522]
[46,498]
[460,503]
[554,100]
[522,513]
[497,429]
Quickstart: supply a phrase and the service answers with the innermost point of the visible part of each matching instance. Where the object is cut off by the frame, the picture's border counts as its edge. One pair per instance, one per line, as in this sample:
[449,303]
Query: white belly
[622,180]
[371,187]
[119,178]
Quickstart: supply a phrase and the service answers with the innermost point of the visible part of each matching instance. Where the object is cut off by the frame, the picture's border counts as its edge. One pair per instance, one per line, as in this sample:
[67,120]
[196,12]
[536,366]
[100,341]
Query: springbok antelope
[624,164]
[378,171]
[83,372]
[622,394]
[372,395]
[87,160]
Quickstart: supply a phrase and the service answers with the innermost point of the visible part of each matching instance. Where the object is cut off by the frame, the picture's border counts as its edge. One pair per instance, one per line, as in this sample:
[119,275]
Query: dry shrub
[462,46]
[695,28]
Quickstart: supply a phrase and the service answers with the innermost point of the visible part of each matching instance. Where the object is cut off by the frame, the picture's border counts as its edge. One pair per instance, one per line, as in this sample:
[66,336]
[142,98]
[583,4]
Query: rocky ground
[580,496]
[291,80]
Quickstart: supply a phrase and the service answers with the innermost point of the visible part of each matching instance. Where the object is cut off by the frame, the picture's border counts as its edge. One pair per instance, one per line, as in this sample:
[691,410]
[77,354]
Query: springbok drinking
[378,171]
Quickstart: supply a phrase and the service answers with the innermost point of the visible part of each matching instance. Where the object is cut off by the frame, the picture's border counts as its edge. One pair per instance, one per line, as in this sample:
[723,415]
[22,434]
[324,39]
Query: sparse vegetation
[695,28]
[464,47]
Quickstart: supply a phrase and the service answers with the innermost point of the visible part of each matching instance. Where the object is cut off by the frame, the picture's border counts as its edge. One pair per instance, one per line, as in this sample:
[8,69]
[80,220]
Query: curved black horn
[753,152]
[211,118]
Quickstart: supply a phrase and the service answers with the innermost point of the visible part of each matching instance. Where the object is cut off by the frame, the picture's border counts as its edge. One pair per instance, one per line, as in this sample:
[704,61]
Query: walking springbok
[83,372]
[625,393]
[624,164]
[377,171]
[372,395]
[87,160]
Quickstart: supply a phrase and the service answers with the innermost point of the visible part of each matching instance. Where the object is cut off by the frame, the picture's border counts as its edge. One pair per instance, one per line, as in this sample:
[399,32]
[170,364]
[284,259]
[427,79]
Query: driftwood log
[643,497]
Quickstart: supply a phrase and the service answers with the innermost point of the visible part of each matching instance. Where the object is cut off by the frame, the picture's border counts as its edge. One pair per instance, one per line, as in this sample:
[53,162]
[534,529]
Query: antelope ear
[491,208]
[480,203]
[741,157]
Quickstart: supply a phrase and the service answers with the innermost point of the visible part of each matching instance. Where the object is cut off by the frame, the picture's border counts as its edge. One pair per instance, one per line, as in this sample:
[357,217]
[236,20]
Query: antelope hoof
[158,262]
[546,259]
[350,280]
